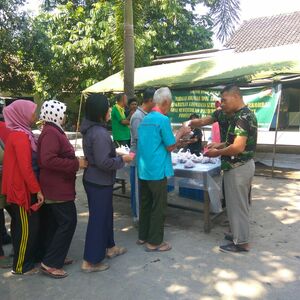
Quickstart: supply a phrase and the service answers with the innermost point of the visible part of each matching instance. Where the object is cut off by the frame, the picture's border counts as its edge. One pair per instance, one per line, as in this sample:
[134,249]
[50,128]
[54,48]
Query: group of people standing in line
[38,177]
[38,185]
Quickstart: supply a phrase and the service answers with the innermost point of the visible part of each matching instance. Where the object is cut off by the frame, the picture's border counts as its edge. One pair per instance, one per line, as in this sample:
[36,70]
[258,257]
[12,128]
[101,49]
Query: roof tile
[266,32]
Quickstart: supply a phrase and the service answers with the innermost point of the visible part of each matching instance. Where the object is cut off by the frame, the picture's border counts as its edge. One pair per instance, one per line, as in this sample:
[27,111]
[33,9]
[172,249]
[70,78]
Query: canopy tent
[273,64]
[260,67]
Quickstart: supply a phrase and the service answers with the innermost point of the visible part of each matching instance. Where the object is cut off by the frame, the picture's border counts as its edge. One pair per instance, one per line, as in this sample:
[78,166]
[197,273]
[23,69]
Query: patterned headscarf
[18,117]
[53,111]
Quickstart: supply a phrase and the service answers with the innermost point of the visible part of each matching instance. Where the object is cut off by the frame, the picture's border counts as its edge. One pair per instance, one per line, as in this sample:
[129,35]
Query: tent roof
[272,63]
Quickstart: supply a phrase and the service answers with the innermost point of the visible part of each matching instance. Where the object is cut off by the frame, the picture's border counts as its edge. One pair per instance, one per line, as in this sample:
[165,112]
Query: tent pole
[78,121]
[279,90]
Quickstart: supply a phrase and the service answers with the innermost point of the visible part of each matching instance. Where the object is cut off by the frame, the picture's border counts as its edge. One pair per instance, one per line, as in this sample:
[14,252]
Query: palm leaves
[225,15]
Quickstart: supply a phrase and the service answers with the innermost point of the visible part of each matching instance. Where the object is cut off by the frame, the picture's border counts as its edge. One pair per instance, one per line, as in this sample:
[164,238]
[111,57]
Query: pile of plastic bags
[190,160]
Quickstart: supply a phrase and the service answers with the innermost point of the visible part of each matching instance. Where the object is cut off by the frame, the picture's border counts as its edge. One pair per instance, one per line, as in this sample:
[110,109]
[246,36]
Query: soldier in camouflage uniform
[223,119]
[238,165]
[217,116]
[243,123]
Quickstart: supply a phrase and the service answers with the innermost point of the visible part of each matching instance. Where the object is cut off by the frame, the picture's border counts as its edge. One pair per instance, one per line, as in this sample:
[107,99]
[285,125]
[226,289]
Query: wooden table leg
[206,209]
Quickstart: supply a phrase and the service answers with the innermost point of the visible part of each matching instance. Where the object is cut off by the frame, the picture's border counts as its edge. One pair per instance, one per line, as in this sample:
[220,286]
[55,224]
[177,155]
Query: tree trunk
[128,49]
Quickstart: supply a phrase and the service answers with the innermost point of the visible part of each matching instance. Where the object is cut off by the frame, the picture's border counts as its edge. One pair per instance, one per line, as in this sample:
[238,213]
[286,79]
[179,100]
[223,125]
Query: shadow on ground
[194,269]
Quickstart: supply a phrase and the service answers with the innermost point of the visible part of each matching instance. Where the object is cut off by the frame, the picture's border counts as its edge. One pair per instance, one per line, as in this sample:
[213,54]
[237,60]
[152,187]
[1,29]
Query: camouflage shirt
[223,120]
[242,123]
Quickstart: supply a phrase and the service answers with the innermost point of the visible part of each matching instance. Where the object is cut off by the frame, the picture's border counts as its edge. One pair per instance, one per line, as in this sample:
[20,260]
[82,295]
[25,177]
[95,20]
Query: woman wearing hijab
[20,185]
[5,261]
[98,180]
[58,166]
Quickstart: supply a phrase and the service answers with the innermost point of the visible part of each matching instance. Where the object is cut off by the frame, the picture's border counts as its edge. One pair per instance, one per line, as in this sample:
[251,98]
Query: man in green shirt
[119,122]
[237,155]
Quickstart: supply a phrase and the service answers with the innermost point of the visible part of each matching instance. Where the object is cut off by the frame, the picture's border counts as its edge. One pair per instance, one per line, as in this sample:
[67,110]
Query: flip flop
[31,272]
[159,248]
[117,252]
[68,261]
[140,242]
[28,273]
[96,268]
[50,273]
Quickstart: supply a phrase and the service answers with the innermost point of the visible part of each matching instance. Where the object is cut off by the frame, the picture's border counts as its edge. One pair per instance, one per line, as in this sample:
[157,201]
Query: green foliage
[76,47]
[48,5]
[63,51]
[14,68]
[171,28]
[69,51]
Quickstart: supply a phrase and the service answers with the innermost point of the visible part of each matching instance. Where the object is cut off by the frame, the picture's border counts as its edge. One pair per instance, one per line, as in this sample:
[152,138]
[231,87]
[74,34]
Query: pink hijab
[18,117]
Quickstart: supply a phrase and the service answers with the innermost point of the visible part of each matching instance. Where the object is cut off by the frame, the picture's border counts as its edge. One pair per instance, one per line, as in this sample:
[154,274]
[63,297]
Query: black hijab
[96,108]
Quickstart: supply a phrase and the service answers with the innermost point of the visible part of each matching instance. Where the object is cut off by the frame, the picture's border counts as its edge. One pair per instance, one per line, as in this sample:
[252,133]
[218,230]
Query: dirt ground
[194,269]
[280,173]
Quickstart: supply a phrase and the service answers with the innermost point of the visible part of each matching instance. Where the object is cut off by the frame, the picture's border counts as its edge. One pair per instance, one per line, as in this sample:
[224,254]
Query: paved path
[194,269]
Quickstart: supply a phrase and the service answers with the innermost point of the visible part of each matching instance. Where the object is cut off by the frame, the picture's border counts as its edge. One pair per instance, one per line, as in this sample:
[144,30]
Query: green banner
[262,101]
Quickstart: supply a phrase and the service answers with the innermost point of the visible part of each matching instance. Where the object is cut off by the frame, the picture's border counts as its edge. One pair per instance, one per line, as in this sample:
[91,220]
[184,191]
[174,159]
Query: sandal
[5,262]
[140,242]
[68,261]
[160,248]
[28,273]
[31,272]
[88,268]
[51,272]
[116,252]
